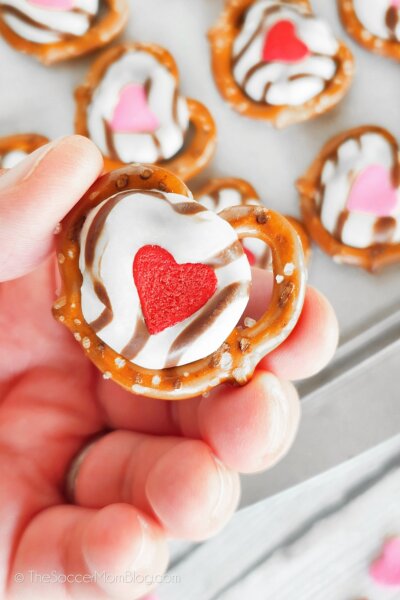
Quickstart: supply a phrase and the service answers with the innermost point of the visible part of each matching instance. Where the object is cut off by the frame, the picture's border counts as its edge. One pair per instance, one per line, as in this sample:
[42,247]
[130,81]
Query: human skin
[162,469]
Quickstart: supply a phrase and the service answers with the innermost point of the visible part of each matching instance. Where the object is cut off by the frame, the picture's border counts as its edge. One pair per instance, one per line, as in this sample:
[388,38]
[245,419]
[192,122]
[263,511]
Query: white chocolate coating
[373,15]
[12,158]
[281,83]
[136,219]
[44,25]
[225,198]
[170,109]
[353,157]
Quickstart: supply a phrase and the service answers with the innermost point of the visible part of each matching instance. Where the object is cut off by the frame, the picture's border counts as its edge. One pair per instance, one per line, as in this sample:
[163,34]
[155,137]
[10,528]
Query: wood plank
[257,533]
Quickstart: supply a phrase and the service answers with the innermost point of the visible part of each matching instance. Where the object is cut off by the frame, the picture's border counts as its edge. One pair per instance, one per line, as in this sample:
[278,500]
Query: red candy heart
[282,44]
[250,256]
[169,292]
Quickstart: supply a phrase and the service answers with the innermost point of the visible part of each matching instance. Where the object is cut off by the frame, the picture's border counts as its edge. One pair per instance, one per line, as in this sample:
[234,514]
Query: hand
[162,469]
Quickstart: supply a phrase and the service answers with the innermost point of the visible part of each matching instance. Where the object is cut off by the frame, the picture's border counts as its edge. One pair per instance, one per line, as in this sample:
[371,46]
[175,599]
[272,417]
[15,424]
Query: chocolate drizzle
[97,225]
[188,208]
[341,222]
[215,198]
[384,230]
[157,145]
[392,19]
[267,12]
[138,340]
[226,256]
[102,321]
[175,107]
[207,317]
[21,16]
[109,135]
[110,142]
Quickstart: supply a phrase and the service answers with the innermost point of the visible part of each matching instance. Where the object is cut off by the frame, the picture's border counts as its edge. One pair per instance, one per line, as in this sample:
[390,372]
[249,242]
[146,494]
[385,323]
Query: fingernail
[135,548]
[226,490]
[221,472]
[28,166]
[145,550]
[283,420]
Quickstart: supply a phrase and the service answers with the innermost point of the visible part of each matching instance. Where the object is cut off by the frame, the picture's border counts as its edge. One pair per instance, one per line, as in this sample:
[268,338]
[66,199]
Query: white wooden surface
[313,542]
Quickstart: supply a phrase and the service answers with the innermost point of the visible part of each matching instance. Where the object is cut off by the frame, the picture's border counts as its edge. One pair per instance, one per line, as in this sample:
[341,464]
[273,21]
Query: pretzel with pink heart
[130,106]
[155,285]
[374,24]
[350,198]
[56,30]
[275,60]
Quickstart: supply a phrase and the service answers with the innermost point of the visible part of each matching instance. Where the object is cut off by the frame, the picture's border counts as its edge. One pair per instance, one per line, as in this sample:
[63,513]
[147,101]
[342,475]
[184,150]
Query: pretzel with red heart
[131,108]
[56,30]
[155,285]
[276,61]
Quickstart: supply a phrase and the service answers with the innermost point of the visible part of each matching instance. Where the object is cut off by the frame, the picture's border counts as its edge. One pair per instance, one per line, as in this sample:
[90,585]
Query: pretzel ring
[82,250]
[371,28]
[14,148]
[102,29]
[245,75]
[182,143]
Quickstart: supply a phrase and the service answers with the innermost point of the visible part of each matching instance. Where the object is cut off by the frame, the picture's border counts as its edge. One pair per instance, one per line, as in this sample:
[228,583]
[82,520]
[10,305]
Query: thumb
[36,194]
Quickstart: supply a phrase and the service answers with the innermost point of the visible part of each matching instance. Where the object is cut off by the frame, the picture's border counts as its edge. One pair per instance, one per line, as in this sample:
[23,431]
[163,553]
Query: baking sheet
[40,99]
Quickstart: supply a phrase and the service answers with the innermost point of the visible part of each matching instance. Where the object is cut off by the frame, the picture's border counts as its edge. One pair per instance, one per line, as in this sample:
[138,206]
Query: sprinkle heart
[169,292]
[373,192]
[282,44]
[385,570]
[132,113]
[54,4]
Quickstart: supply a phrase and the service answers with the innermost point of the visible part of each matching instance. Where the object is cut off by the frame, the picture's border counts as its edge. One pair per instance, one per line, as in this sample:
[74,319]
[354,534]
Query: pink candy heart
[385,570]
[132,113]
[54,4]
[395,3]
[373,192]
